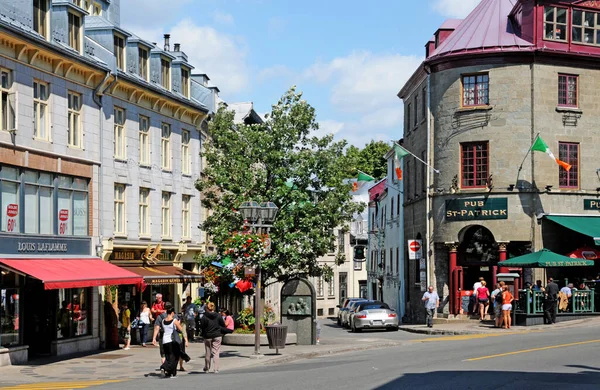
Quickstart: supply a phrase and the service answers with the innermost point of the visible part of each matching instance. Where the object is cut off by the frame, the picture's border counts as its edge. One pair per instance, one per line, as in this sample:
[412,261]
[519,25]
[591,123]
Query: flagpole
[409,152]
[524,158]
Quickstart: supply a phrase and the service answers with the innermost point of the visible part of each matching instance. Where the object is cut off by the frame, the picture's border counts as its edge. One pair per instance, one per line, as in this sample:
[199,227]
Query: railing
[532,302]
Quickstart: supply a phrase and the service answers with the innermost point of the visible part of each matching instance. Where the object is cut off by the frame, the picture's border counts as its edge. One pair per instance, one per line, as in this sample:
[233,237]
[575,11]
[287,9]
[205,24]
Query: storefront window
[72,316]
[10,199]
[9,309]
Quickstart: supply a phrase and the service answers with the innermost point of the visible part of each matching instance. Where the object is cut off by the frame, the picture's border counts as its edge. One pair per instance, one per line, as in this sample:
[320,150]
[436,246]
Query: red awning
[585,253]
[58,273]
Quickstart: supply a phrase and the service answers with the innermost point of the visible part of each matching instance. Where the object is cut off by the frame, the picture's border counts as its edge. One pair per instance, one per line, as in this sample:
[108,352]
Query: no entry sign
[415,250]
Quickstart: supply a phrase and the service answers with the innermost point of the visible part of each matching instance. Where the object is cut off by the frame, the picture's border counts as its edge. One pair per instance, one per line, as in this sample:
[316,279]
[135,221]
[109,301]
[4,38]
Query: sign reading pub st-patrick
[469,209]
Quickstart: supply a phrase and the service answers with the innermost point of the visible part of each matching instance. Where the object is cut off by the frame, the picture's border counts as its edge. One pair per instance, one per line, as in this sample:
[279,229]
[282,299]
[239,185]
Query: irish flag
[540,146]
[361,180]
[400,153]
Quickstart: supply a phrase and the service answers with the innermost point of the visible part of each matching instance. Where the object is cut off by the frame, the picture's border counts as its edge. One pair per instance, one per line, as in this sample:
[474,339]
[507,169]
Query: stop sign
[415,246]
[414,249]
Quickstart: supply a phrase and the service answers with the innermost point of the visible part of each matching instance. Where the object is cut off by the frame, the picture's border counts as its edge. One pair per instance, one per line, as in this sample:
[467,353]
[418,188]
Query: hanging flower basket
[246,248]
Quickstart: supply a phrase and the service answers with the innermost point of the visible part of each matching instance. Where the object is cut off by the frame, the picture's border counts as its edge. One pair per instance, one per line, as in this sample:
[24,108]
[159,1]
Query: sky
[349,58]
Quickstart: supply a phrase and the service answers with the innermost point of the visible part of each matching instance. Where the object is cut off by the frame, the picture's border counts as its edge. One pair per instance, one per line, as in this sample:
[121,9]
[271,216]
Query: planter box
[248,339]
[13,355]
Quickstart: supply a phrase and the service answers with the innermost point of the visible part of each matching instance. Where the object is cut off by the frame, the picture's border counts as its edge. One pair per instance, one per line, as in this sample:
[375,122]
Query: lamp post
[258,216]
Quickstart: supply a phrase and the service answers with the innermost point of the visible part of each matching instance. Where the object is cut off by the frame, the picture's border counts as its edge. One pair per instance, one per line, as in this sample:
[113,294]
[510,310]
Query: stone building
[490,84]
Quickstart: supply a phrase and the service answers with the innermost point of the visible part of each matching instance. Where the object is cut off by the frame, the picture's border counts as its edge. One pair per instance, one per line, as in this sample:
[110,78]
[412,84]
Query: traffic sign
[415,249]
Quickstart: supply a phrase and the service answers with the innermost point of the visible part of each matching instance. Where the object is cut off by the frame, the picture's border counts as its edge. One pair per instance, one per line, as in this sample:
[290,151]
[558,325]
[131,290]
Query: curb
[446,332]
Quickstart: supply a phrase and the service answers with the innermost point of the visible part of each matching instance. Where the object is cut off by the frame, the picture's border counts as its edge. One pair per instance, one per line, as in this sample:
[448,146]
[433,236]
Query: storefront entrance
[477,255]
[40,318]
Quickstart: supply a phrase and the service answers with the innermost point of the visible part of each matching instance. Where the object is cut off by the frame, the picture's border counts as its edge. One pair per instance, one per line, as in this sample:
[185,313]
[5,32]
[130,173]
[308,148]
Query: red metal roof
[486,29]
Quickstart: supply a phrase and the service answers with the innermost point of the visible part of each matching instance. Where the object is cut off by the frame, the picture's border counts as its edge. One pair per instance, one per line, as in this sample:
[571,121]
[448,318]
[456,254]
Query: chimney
[167,46]
[177,47]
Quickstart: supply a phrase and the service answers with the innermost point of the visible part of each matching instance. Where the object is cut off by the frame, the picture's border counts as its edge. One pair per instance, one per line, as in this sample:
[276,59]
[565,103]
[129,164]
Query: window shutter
[12,111]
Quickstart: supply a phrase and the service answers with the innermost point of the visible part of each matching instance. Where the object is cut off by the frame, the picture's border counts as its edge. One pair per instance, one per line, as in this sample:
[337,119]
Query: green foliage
[246,318]
[370,160]
[283,162]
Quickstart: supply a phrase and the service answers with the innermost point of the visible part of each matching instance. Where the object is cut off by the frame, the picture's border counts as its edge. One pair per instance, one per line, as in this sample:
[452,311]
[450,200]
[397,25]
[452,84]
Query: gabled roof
[243,111]
[486,29]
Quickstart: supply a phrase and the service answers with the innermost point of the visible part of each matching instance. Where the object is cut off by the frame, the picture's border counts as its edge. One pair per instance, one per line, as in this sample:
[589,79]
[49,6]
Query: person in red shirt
[158,307]
[483,298]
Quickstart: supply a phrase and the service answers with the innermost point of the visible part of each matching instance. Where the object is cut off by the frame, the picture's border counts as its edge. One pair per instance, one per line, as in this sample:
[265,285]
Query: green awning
[544,259]
[588,226]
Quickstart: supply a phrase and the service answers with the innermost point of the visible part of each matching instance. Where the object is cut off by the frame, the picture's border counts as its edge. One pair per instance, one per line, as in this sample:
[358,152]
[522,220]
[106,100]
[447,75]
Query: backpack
[499,298]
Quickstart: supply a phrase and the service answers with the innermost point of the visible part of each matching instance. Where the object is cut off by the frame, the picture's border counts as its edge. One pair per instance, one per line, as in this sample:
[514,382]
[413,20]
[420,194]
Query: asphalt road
[564,359]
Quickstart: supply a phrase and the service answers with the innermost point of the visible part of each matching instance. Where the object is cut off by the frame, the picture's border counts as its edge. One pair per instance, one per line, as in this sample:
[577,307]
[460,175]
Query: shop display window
[72,315]
[10,319]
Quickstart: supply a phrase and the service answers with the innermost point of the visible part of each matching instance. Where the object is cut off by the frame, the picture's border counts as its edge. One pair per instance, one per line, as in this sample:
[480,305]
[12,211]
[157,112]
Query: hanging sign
[415,250]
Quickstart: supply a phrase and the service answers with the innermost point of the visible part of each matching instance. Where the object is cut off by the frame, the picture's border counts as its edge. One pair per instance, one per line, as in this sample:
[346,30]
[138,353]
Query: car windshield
[372,306]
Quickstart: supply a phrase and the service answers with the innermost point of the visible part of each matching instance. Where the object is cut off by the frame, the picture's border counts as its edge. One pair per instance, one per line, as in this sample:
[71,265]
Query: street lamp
[258,216]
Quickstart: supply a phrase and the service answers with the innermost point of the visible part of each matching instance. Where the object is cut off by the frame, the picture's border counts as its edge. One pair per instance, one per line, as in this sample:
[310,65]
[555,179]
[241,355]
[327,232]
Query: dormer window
[120,51]
[586,27]
[97,9]
[555,23]
[75,31]
[165,70]
[143,63]
[185,82]
[40,17]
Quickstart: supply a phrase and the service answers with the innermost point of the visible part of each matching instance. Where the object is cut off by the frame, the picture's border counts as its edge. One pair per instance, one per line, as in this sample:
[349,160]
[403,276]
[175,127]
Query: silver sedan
[373,315]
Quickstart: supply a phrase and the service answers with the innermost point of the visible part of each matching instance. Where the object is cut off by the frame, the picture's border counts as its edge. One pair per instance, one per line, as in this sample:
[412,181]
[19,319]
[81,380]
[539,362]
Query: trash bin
[276,334]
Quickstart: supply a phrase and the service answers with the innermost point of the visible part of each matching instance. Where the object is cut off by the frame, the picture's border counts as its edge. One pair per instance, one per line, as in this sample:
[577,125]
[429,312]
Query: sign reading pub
[469,209]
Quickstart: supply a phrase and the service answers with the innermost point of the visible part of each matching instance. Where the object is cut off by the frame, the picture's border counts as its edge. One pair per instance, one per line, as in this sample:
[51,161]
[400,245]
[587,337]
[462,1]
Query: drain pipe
[428,200]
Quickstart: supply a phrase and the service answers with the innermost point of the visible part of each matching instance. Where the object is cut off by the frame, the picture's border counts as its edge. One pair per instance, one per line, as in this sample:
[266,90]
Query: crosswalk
[59,385]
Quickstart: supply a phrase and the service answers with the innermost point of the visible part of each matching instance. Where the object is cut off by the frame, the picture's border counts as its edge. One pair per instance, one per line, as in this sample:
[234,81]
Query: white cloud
[455,8]
[327,127]
[222,18]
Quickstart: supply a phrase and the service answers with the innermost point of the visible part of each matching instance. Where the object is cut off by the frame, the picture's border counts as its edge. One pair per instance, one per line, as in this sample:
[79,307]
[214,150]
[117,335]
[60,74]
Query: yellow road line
[531,350]
[60,385]
[471,336]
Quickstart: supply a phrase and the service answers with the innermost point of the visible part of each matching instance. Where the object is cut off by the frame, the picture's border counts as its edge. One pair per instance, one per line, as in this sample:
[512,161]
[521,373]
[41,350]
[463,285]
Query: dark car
[344,307]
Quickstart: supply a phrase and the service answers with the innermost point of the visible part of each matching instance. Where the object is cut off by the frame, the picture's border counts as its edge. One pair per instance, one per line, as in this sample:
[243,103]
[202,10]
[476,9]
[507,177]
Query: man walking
[190,311]
[550,302]
[432,302]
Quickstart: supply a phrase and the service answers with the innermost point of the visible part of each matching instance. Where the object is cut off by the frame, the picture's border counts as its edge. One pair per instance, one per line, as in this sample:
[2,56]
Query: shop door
[40,318]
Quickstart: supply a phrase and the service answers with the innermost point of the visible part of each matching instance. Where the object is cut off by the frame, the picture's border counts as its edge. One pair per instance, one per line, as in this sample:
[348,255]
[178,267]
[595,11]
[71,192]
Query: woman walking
[507,299]
[483,299]
[145,320]
[170,341]
[211,324]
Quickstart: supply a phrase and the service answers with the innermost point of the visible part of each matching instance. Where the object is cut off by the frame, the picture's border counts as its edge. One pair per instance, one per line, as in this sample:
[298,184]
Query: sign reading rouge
[12,210]
[63,216]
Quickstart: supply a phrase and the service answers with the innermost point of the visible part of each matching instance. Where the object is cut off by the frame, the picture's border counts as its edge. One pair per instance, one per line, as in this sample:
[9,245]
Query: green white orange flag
[361,180]
[400,152]
[540,146]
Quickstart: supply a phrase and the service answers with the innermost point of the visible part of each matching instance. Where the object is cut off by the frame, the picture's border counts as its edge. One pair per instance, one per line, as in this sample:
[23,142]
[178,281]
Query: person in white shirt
[432,302]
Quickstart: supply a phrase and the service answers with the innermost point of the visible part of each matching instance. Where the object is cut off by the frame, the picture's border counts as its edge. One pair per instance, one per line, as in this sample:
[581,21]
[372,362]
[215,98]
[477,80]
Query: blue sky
[350,58]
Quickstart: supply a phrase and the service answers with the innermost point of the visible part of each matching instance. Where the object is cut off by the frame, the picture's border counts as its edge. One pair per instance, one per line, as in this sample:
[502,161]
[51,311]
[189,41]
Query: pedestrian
[145,320]
[201,311]
[126,326]
[507,299]
[171,342]
[190,312]
[551,295]
[158,307]
[432,302]
[496,298]
[483,299]
[228,319]
[538,286]
[478,284]
[211,324]
[158,331]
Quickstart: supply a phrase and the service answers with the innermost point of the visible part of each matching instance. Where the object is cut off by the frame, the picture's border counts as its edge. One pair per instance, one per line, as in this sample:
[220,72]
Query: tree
[280,161]
[371,159]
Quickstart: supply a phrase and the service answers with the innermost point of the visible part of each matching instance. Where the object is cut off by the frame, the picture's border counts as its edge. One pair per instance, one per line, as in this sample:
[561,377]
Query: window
[73,318]
[72,206]
[585,27]
[144,123]
[341,241]
[397,260]
[120,140]
[408,112]
[165,67]
[12,310]
[555,23]
[165,143]
[474,164]
[358,265]
[416,108]
[74,130]
[567,90]
[120,209]
[10,196]
[97,11]
[40,17]
[7,108]
[143,63]
[185,82]
[77,3]
[475,90]
[166,214]
[119,42]
[331,287]
[569,153]
[185,152]
[408,184]
[320,286]
[75,31]
[424,103]
[424,173]
[391,261]
[185,216]
[144,204]
[39,204]
[40,111]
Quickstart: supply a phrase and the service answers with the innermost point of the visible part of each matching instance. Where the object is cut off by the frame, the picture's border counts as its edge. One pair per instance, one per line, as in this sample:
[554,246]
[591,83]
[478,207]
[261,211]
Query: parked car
[344,307]
[350,309]
[373,315]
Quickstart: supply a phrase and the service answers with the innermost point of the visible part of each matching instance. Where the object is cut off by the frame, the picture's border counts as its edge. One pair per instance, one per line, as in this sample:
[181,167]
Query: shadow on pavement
[496,380]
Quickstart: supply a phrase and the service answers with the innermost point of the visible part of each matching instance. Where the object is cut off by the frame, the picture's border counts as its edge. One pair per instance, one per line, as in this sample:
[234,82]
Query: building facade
[491,84]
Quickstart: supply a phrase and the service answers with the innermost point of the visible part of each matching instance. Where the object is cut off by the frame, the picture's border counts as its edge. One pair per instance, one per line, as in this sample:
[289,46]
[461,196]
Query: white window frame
[119,133]
[74,117]
[166,221]
[144,208]
[119,50]
[144,139]
[185,82]
[165,71]
[43,22]
[331,287]
[143,62]
[120,210]
[38,104]
[185,152]
[165,146]
[8,106]
[319,288]
[74,32]
[185,217]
